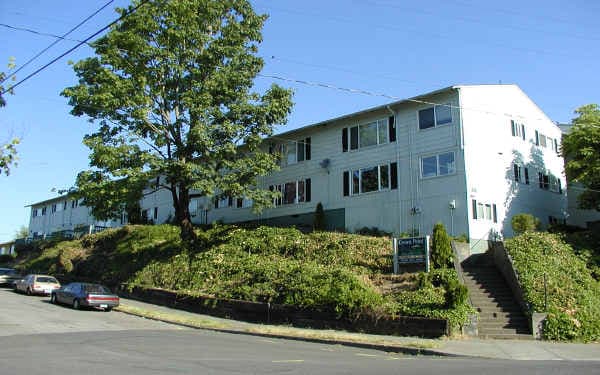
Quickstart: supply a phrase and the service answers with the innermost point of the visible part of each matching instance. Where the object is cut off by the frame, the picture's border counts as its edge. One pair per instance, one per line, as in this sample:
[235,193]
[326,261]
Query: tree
[171,90]
[522,223]
[22,232]
[581,150]
[441,250]
[319,220]
[8,150]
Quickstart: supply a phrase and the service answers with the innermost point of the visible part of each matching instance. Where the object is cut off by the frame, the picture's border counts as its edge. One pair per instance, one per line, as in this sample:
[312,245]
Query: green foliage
[8,151]
[461,238]
[266,264]
[319,222]
[522,223]
[573,294]
[581,150]
[171,89]
[373,231]
[441,250]
[6,259]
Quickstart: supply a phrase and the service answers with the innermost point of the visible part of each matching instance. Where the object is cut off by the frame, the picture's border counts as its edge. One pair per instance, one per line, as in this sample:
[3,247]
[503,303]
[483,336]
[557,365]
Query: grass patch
[173,318]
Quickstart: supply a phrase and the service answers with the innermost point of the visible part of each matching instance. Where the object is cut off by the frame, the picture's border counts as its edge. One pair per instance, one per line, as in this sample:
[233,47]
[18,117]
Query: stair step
[506,336]
[500,315]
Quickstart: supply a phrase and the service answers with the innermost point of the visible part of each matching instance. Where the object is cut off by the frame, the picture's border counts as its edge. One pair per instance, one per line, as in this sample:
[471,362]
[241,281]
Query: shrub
[6,258]
[373,231]
[441,250]
[573,294]
[522,223]
[319,221]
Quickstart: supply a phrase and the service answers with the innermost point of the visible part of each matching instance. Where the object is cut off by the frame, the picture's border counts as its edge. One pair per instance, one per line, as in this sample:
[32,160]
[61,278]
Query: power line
[76,46]
[56,41]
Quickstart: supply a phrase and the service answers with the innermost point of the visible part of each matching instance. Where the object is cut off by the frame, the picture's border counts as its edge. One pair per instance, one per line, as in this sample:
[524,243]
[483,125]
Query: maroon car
[81,295]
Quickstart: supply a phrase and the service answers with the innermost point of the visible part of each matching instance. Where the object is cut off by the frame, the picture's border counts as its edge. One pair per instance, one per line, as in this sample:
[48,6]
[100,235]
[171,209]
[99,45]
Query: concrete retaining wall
[285,314]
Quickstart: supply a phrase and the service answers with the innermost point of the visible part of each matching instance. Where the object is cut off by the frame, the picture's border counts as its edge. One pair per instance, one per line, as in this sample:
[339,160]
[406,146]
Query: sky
[400,49]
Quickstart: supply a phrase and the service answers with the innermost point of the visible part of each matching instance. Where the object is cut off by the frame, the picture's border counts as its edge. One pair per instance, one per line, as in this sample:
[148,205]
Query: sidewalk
[468,347]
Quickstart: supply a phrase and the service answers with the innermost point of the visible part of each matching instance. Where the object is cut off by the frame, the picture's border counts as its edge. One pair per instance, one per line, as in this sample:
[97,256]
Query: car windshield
[95,288]
[46,279]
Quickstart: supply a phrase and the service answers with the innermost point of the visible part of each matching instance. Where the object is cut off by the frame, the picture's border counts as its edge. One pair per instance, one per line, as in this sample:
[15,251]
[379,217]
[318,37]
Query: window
[517,129]
[155,213]
[65,203]
[43,211]
[292,152]
[435,116]
[74,203]
[292,192]
[374,133]
[521,174]
[365,180]
[484,211]
[34,212]
[549,182]
[438,165]
[54,208]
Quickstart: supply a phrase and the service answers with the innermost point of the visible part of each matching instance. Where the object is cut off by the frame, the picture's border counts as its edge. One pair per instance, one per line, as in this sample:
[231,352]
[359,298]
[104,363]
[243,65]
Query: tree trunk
[181,203]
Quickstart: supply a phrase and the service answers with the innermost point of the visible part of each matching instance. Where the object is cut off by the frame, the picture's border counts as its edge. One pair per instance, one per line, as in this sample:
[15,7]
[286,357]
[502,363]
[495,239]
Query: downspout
[461,144]
[399,194]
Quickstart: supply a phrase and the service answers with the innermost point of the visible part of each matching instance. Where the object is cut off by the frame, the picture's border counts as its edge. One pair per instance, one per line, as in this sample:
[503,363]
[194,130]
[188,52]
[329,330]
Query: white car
[8,276]
[37,284]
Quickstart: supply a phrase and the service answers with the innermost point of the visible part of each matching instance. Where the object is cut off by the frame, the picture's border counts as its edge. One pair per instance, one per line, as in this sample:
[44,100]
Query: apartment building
[469,156]
[66,216]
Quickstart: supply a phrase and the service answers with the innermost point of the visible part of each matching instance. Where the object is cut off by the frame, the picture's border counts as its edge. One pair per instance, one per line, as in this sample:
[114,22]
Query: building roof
[50,200]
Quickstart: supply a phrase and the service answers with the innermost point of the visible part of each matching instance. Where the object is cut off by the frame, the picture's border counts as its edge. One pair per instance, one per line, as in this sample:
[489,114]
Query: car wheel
[76,304]
[108,309]
[28,292]
[53,299]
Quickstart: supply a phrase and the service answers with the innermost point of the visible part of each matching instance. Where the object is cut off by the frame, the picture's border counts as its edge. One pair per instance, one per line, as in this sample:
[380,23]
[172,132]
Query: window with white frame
[438,165]
[53,208]
[43,211]
[484,211]
[292,152]
[517,129]
[435,116]
[74,203]
[65,204]
[549,182]
[521,174]
[34,212]
[365,180]
[374,133]
[292,192]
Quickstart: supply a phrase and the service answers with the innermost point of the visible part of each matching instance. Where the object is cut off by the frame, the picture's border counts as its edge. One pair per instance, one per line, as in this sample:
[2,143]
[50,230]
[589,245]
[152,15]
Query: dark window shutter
[307,190]
[516,172]
[229,201]
[346,183]
[307,151]
[523,131]
[240,202]
[354,138]
[394,175]
[344,139]
[559,186]
[512,127]
[474,202]
[537,138]
[526,170]
[216,202]
[392,128]
[541,180]
[495,213]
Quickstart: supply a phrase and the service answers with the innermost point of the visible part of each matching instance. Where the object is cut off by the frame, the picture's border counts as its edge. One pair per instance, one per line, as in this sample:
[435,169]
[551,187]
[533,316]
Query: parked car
[81,295]
[8,276]
[36,284]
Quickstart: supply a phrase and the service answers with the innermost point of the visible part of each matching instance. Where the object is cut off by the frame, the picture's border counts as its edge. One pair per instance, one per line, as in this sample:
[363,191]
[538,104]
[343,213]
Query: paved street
[40,338]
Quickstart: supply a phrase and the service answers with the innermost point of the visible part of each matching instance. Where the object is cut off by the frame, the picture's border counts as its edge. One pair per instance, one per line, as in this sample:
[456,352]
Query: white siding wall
[491,151]
[63,218]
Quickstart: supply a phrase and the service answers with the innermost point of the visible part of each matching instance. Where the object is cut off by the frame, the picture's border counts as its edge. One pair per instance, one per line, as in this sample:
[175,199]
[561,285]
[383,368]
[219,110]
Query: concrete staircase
[500,316]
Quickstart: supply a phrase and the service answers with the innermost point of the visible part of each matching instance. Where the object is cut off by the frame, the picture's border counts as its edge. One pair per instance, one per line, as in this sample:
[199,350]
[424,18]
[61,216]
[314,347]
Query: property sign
[413,250]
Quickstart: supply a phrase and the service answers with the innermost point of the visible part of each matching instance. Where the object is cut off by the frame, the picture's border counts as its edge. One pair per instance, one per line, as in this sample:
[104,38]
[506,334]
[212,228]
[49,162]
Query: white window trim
[437,160]
[377,144]
[379,189]
[435,120]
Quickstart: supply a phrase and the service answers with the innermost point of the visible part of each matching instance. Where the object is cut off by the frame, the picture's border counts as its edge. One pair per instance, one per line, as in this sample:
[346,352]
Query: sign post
[412,250]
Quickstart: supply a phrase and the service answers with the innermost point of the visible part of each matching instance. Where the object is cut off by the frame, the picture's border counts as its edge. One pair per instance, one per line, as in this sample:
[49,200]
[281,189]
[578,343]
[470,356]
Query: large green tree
[171,89]
[581,149]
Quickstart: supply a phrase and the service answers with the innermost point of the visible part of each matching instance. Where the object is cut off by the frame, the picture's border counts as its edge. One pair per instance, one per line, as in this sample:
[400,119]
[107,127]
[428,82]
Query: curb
[382,347]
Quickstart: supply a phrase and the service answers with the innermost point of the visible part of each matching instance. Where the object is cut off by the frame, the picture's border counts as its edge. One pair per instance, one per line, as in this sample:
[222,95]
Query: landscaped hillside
[573,295]
[340,271]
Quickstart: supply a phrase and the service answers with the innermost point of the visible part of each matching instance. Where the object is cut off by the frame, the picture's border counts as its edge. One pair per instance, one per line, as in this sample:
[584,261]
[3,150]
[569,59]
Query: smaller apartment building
[64,215]
[470,157]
